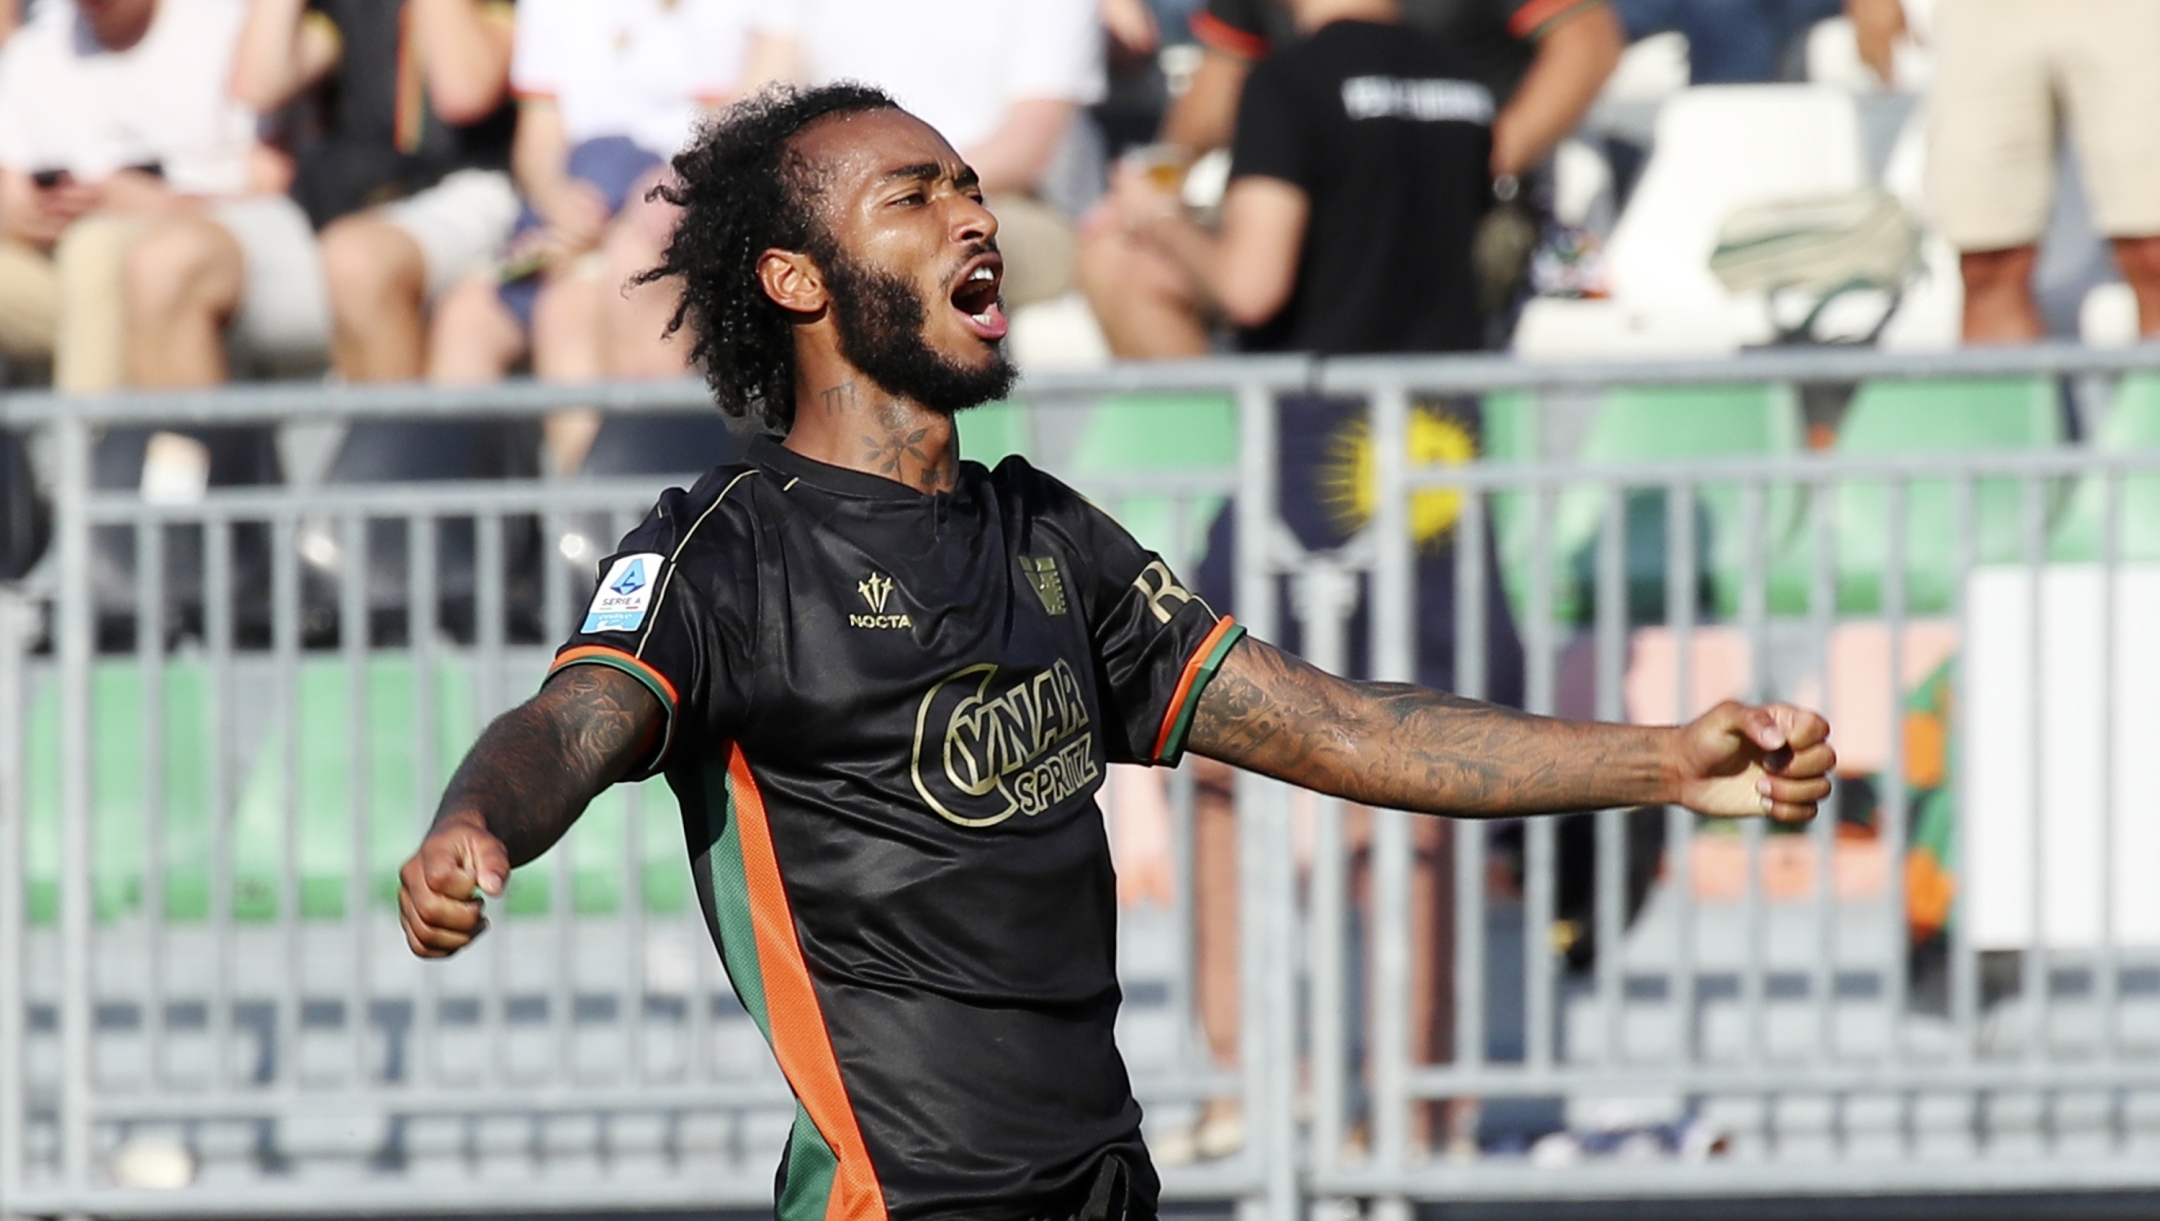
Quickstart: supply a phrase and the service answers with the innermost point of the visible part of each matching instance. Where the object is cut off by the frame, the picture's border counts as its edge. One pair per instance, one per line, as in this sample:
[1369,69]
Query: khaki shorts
[284,316]
[2005,70]
[1038,243]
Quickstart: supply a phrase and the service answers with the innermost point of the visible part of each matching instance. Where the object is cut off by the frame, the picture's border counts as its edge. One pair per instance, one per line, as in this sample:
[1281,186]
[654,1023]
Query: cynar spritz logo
[985,750]
[877,591]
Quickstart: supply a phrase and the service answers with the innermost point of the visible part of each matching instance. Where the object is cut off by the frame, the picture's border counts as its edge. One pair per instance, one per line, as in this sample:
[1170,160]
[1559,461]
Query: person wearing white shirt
[112,113]
[1001,82]
[606,94]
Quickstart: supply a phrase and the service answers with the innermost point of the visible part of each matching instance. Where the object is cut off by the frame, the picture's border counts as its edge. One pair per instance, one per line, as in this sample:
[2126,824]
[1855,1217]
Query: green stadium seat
[994,430]
[395,807]
[118,797]
[1644,424]
[1135,433]
[2132,424]
[1919,417]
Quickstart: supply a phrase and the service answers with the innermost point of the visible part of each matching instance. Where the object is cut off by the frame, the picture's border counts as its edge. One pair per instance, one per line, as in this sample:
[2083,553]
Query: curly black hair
[742,192]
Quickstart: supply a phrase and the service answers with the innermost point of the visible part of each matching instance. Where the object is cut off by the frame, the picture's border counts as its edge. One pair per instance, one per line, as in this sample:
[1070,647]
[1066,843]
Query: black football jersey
[888,716]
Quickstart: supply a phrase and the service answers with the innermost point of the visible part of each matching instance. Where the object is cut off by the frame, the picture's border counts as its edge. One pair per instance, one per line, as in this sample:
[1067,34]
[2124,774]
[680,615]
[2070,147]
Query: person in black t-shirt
[1543,60]
[884,685]
[1358,176]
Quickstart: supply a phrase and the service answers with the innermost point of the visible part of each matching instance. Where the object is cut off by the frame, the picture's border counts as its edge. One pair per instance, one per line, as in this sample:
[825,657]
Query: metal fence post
[1394,660]
[71,540]
[14,633]
[1267,883]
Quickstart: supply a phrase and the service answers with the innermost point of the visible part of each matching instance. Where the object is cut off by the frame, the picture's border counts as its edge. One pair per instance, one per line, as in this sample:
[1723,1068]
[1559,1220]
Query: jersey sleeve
[1530,20]
[1157,644]
[1274,127]
[669,615]
[1233,27]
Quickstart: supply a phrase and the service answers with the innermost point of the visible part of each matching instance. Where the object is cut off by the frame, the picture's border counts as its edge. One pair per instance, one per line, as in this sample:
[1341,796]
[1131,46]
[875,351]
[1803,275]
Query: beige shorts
[1038,243]
[284,316]
[2005,71]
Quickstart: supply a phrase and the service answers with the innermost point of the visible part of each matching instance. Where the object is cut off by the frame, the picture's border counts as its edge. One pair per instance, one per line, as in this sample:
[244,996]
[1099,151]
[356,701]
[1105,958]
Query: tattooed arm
[524,782]
[1407,748]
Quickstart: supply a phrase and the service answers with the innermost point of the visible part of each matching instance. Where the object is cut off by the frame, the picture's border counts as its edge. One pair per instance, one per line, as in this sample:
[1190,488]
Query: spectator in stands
[409,189]
[1543,61]
[2004,72]
[113,114]
[1360,171]
[606,95]
[1732,42]
[1001,82]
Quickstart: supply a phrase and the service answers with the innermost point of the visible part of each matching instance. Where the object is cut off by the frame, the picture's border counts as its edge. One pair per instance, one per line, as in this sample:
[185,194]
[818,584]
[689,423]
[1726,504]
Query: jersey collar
[789,465]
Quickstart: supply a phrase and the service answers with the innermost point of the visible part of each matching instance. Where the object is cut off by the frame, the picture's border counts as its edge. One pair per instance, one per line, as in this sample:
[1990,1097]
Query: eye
[911,199]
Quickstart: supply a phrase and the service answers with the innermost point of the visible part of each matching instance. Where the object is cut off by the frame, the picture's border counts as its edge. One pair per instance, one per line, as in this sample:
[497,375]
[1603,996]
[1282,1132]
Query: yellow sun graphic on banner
[1349,477]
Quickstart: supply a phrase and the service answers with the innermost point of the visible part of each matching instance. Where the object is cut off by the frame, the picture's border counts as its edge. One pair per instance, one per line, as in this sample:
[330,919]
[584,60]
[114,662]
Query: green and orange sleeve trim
[1199,670]
[1537,18]
[637,668]
[1215,33]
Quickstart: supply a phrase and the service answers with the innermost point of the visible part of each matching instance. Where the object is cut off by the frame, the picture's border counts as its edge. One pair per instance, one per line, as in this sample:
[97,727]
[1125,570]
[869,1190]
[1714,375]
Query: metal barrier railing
[198,813]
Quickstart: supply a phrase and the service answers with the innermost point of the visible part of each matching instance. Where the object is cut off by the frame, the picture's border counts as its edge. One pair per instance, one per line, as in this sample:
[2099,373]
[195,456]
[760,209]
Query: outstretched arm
[520,787]
[1407,748]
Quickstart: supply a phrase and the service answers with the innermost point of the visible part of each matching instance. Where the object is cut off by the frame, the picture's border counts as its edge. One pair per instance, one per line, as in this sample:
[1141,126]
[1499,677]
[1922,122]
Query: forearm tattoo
[537,766]
[1410,748]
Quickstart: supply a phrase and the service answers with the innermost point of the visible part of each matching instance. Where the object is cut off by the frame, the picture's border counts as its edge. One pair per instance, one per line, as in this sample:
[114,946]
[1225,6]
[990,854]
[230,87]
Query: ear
[793,281]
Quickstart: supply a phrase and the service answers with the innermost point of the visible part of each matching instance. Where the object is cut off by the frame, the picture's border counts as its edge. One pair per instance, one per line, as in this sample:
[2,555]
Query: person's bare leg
[184,282]
[1215,919]
[2139,258]
[473,339]
[377,278]
[1144,302]
[566,346]
[634,318]
[1999,306]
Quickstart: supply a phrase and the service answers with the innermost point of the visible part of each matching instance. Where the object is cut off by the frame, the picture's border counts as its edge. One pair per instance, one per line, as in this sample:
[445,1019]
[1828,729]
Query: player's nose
[973,222]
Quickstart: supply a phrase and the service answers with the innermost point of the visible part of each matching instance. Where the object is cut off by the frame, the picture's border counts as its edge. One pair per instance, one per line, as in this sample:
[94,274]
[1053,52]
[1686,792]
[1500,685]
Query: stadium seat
[119,795]
[685,443]
[1138,433]
[990,432]
[1682,422]
[397,808]
[1717,148]
[1638,424]
[1920,417]
[2133,423]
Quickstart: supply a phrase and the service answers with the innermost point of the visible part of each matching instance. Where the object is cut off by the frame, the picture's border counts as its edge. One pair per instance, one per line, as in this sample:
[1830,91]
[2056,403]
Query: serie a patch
[624,594]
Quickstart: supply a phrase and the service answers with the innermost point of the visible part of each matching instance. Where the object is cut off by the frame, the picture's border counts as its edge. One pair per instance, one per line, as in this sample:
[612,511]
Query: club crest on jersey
[624,594]
[983,755]
[877,591]
[1042,573]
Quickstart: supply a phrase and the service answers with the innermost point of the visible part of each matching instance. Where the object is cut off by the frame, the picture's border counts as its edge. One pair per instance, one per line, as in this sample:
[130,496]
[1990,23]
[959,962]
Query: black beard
[881,319]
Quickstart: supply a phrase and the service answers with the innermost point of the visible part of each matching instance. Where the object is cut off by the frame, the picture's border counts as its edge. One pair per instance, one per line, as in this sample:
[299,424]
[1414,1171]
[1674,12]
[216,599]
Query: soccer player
[884,685]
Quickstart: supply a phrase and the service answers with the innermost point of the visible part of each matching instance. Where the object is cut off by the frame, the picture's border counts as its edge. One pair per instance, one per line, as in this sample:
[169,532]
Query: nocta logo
[877,590]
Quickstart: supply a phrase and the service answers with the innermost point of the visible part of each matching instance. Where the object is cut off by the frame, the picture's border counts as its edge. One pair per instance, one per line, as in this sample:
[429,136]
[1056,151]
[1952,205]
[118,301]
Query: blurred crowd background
[456,191]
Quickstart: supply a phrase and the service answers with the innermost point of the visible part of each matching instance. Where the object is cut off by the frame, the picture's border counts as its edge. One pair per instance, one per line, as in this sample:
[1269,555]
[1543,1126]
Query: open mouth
[976,297]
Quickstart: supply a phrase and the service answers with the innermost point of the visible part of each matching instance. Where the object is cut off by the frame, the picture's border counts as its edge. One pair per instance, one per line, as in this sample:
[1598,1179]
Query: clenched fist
[440,888]
[1735,761]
